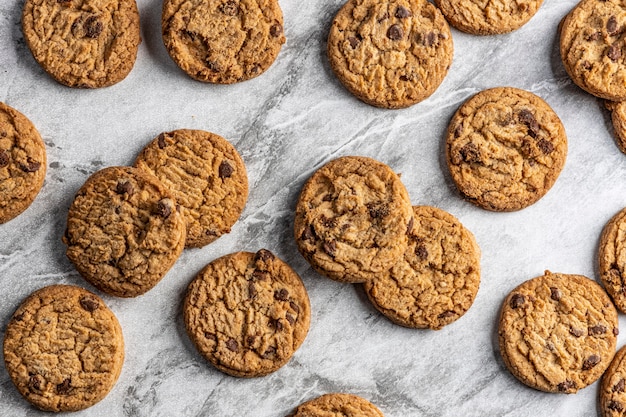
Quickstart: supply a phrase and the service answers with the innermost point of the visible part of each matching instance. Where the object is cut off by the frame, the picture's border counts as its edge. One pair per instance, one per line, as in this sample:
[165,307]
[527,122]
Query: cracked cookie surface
[488,17]
[223,41]
[391,53]
[618,119]
[593,37]
[337,405]
[613,387]
[247,313]
[83,43]
[612,259]
[505,148]
[63,348]
[352,219]
[124,231]
[22,163]
[438,278]
[207,177]
[558,332]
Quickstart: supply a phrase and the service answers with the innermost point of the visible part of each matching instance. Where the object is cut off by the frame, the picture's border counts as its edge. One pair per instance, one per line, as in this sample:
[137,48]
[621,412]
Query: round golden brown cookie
[505,148]
[613,387]
[205,174]
[592,47]
[618,117]
[337,405]
[390,53]
[612,259]
[223,41]
[247,313]
[488,18]
[63,348]
[83,43]
[558,332]
[437,280]
[124,231]
[22,163]
[352,218]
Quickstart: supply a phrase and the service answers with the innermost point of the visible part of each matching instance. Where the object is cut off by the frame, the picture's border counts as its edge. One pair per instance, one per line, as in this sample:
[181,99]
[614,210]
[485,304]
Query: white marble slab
[287,123]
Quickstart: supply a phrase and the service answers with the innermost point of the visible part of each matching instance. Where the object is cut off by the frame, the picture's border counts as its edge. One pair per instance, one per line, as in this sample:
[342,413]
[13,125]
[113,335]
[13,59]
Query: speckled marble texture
[287,123]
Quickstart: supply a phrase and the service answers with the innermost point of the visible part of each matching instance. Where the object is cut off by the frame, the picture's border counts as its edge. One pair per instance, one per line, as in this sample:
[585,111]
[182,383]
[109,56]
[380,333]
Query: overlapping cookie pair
[93,44]
[354,223]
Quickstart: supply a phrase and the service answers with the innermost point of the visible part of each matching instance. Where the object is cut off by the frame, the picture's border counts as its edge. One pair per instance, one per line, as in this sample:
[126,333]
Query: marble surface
[287,123]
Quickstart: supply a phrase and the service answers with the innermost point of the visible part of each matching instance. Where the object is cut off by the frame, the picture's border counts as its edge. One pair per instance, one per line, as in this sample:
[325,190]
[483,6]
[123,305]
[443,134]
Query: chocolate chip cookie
[124,231]
[390,53]
[488,18]
[558,332]
[83,43]
[618,118]
[63,348]
[438,278]
[613,387]
[247,313]
[205,174]
[337,405]
[505,148]
[612,259]
[592,47]
[223,41]
[22,163]
[352,219]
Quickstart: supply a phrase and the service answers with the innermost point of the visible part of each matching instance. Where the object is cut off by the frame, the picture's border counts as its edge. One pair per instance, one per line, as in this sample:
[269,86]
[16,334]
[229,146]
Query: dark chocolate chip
[590,362]
[330,248]
[93,27]
[225,170]
[124,187]
[30,166]
[259,275]
[252,292]
[555,293]
[429,39]
[619,387]
[615,406]
[566,385]
[587,65]
[403,12]
[164,208]
[446,314]
[615,331]
[409,227]
[250,340]
[263,255]
[597,330]
[64,387]
[594,36]
[276,30]
[395,32]
[290,318]
[229,8]
[545,146]
[611,26]
[210,336]
[294,306]
[421,252]
[4,158]
[232,345]
[576,332]
[470,153]
[308,233]
[278,325]
[281,295]
[35,382]
[354,42]
[378,210]
[458,130]
[161,141]
[517,300]
[530,121]
[270,352]
[614,52]
[89,303]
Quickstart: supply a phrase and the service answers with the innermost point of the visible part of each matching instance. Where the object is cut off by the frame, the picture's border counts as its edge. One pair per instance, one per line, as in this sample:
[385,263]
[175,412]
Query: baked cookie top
[63,348]
[205,174]
[337,405]
[352,219]
[438,278]
[618,118]
[223,41]
[612,259]
[22,163]
[390,53]
[83,43]
[505,148]
[558,332]
[124,231]
[488,18]
[247,313]
[592,43]
[613,387]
